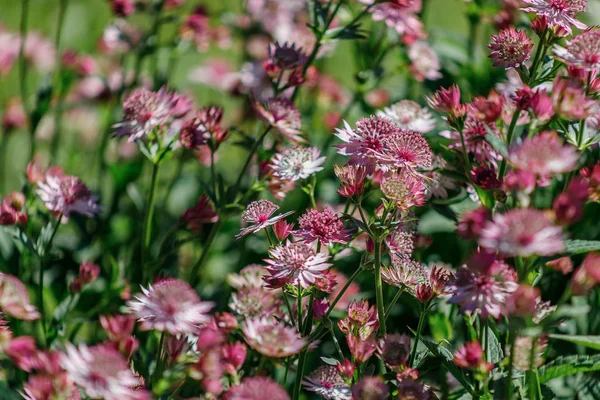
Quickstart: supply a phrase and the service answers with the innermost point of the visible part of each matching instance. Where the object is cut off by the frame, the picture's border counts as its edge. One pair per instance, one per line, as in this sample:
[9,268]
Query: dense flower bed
[423,226]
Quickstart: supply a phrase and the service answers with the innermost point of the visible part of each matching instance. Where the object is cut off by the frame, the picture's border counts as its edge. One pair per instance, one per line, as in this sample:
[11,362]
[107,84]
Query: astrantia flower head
[425,63]
[522,232]
[404,189]
[12,209]
[570,100]
[483,292]
[145,111]
[394,350]
[327,383]
[402,16]
[282,114]
[447,101]
[352,178]
[371,388]
[470,356]
[287,56]
[561,13]
[583,51]
[409,115]
[260,215]
[254,302]
[544,155]
[65,194]
[297,163]
[404,149]
[200,214]
[297,264]
[400,243]
[170,305]
[404,273]
[251,276]
[102,372]
[14,299]
[272,338]
[255,388]
[362,319]
[193,135]
[325,226]
[474,135]
[510,48]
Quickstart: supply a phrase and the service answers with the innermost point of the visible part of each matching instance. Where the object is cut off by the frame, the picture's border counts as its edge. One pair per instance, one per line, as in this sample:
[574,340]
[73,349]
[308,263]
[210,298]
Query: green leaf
[581,246]
[497,143]
[570,365]
[493,349]
[330,361]
[440,325]
[593,342]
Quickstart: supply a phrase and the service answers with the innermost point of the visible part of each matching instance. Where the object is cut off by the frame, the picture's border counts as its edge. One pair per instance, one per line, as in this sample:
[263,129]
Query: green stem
[58,84]
[43,259]
[257,143]
[299,311]
[149,216]
[379,288]
[539,52]
[288,307]
[209,241]
[23,74]
[336,343]
[341,293]
[420,326]
[159,360]
[511,359]
[509,138]
[299,374]
[394,300]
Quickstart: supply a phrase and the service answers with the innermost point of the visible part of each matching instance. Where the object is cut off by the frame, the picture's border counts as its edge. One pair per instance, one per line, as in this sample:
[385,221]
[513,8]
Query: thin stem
[159,359]
[541,49]
[394,300]
[509,138]
[379,288]
[3,161]
[341,293]
[58,84]
[509,379]
[299,311]
[255,147]
[336,343]
[41,275]
[288,307]
[149,216]
[209,241]
[420,326]
[299,374]
[23,74]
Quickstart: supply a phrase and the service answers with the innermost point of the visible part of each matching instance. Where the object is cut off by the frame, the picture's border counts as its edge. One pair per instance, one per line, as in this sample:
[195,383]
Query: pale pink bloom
[583,51]
[522,232]
[409,115]
[102,372]
[215,73]
[118,327]
[170,305]
[14,299]
[283,115]
[561,13]
[404,273]
[570,100]
[12,209]
[40,52]
[474,134]
[326,382]
[362,319]
[251,276]
[297,163]
[119,37]
[483,292]
[400,243]
[297,264]
[544,155]
[255,388]
[254,302]
[403,149]
[470,356]
[404,189]
[352,178]
[325,226]
[9,51]
[425,63]
[402,16]
[271,338]
[44,387]
[260,215]
[510,48]
[447,101]
[65,194]
[372,387]
[14,115]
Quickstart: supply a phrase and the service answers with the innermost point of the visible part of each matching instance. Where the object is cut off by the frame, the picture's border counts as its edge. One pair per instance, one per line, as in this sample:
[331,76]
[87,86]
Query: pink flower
[251,276]
[404,273]
[325,226]
[200,214]
[88,272]
[447,101]
[587,276]
[326,382]
[404,189]
[283,229]
[402,16]
[570,100]
[400,243]
[489,109]
[425,63]
[544,155]
[409,115]
[282,114]
[362,319]
[234,355]
[170,305]
[23,352]
[523,301]
[403,149]
[558,12]
[102,372]
[361,347]
[297,264]
[474,135]
[118,327]
[394,350]
[564,265]
[297,163]
[510,48]
[472,222]
[471,356]
[371,387]
[255,388]
[123,8]
[259,214]
[14,115]
[193,135]
[272,338]
[352,178]
[14,299]
[583,51]
[483,292]
[522,232]
[65,194]
[12,209]
[254,302]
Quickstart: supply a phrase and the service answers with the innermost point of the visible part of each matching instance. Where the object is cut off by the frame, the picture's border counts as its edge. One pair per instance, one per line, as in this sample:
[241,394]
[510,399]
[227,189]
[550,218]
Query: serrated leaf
[593,342]
[570,365]
[493,350]
[581,246]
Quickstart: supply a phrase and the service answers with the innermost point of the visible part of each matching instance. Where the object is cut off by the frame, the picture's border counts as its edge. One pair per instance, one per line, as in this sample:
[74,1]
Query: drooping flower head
[297,263]
[102,372]
[326,382]
[352,178]
[324,226]
[409,115]
[404,189]
[255,388]
[170,305]
[65,194]
[297,163]
[145,111]
[260,215]
[510,48]
[282,114]
[561,13]
[522,232]
[483,292]
[544,155]
[583,51]
[272,338]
